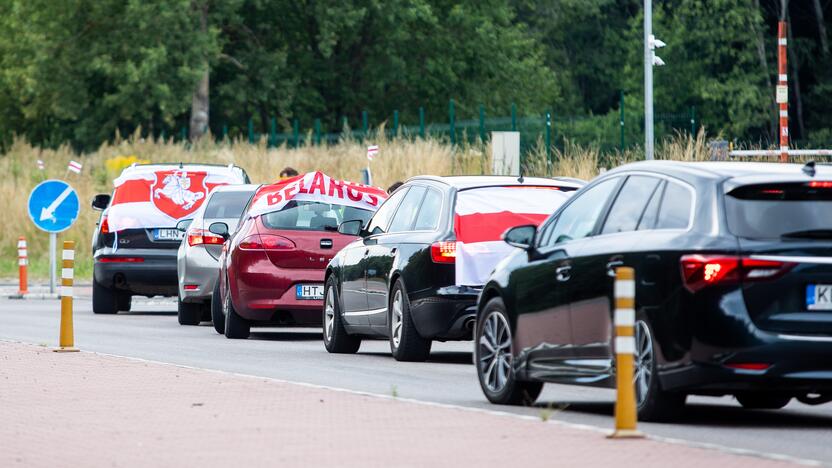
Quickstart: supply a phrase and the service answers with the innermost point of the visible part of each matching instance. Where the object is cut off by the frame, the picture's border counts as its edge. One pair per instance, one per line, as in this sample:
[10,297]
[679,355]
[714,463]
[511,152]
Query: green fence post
[422,122]
[318,131]
[296,133]
[621,118]
[273,132]
[452,121]
[224,132]
[549,137]
[482,124]
[162,135]
[251,130]
[395,123]
[513,117]
[184,134]
[693,121]
[365,124]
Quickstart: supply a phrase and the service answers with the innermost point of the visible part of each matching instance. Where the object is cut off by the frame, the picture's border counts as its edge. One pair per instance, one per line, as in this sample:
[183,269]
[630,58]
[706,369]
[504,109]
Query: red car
[272,267]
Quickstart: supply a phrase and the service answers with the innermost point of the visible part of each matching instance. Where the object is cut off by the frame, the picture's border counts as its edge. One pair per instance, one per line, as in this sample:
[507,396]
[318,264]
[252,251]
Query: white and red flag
[315,186]
[41,165]
[372,152]
[75,167]
[157,196]
[484,214]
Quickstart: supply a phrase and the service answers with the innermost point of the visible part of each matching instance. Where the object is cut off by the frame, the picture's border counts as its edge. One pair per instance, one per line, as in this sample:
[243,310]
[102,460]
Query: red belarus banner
[149,197]
[315,186]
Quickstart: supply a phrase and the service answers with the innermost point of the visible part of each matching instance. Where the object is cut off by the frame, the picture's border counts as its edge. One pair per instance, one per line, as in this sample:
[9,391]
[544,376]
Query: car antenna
[809,169]
[520,178]
[180,165]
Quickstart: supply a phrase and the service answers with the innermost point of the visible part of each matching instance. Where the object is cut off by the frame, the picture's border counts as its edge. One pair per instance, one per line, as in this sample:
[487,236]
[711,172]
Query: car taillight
[203,237]
[699,271]
[121,260]
[105,226]
[266,242]
[820,184]
[443,252]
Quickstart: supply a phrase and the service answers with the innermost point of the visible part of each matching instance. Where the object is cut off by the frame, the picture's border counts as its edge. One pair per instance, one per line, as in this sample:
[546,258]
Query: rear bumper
[798,364]
[448,314]
[271,299]
[196,267]
[155,275]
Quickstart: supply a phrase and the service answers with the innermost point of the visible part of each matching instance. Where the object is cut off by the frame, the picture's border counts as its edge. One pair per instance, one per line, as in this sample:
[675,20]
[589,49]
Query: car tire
[104,300]
[217,318]
[236,327]
[770,401]
[336,338]
[125,301]
[493,353]
[656,405]
[405,342]
[188,313]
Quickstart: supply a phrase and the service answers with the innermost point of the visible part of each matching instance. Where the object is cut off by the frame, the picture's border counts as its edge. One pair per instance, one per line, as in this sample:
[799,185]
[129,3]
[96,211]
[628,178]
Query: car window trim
[387,227]
[418,207]
[660,187]
[618,194]
[441,209]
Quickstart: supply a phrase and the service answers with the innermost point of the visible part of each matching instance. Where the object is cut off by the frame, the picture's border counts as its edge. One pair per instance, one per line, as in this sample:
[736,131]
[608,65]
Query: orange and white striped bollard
[67,338]
[22,264]
[626,415]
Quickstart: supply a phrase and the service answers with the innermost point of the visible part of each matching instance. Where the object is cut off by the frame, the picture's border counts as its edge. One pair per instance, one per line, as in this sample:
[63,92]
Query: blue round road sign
[53,206]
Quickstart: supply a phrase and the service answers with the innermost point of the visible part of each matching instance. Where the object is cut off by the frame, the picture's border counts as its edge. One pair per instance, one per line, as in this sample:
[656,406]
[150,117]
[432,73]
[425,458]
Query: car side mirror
[101,201]
[521,237]
[220,229]
[184,224]
[350,228]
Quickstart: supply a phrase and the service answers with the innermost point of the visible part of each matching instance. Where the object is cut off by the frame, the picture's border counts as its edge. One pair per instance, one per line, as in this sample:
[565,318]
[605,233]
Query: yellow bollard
[625,316]
[67,340]
[22,262]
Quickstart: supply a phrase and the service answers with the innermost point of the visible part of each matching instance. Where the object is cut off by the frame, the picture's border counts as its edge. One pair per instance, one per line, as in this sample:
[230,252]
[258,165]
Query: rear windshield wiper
[809,234]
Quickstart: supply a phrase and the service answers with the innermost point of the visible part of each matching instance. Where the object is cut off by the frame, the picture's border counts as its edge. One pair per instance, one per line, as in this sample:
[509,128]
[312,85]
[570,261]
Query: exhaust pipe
[815,398]
[470,323]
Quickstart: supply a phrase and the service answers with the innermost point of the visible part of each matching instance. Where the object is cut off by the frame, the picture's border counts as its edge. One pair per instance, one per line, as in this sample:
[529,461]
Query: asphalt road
[152,332]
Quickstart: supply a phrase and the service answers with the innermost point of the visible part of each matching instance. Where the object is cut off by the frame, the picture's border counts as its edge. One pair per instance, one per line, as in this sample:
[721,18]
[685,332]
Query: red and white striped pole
[783,91]
[22,261]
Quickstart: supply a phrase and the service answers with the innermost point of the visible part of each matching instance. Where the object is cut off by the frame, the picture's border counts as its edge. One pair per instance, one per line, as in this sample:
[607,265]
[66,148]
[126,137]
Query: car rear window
[227,204]
[774,210]
[314,216]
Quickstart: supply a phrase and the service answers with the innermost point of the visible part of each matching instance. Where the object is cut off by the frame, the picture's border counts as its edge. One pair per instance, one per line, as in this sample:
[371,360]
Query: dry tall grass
[398,160]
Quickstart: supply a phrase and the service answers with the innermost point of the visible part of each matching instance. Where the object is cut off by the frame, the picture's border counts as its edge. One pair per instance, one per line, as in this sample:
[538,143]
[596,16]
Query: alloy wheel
[396,319]
[495,352]
[643,361]
[329,313]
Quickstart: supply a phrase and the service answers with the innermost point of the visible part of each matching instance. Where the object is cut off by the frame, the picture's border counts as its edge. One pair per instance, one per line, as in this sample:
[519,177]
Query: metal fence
[614,131]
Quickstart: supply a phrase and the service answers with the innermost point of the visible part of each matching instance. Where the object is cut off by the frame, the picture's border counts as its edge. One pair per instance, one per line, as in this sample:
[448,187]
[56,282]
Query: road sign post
[53,207]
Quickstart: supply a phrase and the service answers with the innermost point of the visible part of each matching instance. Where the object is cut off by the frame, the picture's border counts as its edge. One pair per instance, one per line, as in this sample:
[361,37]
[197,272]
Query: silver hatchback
[197,263]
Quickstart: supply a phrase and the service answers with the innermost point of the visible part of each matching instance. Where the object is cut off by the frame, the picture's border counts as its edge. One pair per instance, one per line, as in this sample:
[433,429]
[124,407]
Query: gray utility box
[505,153]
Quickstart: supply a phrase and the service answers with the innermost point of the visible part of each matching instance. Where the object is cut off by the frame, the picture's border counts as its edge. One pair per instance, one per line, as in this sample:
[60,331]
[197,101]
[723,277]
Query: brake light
[105,226]
[699,271]
[203,237]
[443,252]
[266,242]
[820,184]
[750,366]
[121,260]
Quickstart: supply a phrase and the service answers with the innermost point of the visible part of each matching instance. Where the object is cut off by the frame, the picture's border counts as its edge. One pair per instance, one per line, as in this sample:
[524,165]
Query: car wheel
[495,360]
[236,327]
[653,403]
[188,313]
[125,301]
[336,338]
[104,301]
[763,400]
[217,317]
[405,342]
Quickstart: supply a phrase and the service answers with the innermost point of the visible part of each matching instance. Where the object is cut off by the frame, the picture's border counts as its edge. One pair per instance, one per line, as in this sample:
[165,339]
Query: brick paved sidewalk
[89,410]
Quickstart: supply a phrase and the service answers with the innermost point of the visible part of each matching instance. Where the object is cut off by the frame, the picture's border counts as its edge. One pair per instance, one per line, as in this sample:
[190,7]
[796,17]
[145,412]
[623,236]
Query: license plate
[819,297]
[309,291]
[168,234]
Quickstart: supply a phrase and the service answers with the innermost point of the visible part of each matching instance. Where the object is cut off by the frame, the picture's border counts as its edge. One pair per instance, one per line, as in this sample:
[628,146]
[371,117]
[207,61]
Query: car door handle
[393,251]
[367,252]
[563,273]
[611,266]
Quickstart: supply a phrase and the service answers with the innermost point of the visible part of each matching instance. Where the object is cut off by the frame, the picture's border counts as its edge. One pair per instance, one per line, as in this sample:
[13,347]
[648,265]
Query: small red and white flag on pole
[372,152]
[75,167]
[41,166]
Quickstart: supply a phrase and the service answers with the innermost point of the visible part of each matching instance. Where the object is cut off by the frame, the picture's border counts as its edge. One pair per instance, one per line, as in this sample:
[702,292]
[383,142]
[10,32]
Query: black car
[733,267]
[400,279]
[142,261]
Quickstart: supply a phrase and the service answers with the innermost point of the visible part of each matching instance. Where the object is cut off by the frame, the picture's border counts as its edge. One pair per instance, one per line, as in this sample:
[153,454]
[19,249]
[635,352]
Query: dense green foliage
[80,70]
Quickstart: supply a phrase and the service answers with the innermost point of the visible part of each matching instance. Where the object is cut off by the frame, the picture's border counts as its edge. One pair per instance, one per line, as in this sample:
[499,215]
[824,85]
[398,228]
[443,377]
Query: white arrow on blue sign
[53,206]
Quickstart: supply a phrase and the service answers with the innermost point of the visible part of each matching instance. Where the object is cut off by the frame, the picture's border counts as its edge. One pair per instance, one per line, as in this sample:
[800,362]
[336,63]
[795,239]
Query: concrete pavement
[86,409]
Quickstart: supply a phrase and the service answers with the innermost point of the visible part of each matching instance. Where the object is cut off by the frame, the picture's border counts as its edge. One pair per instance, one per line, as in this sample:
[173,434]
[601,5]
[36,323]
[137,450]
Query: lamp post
[650,60]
